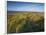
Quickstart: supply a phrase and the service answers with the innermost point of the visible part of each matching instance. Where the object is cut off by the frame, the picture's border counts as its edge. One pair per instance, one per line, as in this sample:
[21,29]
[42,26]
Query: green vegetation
[25,22]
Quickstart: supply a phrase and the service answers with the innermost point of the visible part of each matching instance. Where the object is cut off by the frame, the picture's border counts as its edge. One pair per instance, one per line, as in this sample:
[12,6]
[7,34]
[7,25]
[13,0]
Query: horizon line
[28,11]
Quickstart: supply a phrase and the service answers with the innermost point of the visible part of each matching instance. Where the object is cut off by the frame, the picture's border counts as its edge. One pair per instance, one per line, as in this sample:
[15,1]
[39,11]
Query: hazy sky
[24,6]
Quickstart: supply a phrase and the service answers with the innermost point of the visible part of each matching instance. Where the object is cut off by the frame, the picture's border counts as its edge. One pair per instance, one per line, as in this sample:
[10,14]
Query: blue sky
[24,6]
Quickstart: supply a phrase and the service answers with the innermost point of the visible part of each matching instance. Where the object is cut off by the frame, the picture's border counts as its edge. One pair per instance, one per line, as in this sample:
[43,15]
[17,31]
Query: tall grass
[25,22]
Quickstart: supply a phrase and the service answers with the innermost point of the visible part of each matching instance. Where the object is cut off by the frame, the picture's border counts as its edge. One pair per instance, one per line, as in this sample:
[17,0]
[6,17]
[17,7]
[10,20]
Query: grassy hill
[25,22]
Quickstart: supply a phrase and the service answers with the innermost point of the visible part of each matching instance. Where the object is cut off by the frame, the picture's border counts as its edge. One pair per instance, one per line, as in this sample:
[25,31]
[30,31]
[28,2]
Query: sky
[24,6]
